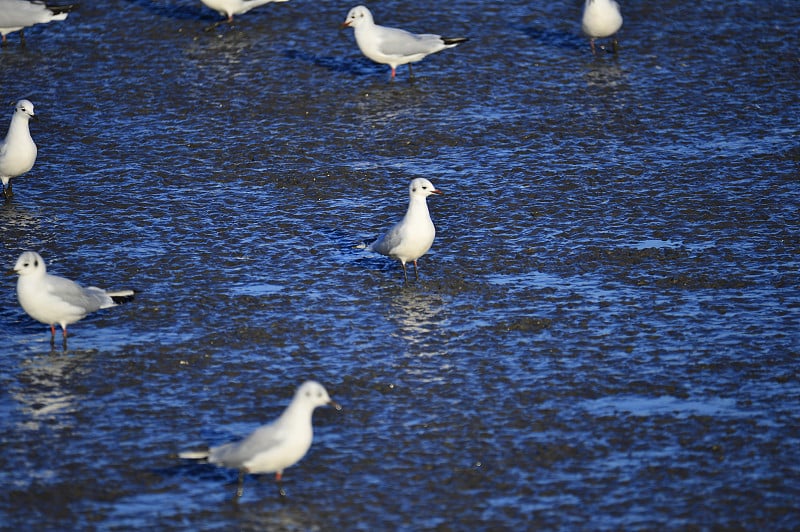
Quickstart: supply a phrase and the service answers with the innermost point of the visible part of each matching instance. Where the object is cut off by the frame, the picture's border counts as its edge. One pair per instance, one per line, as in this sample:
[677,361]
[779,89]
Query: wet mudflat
[604,334]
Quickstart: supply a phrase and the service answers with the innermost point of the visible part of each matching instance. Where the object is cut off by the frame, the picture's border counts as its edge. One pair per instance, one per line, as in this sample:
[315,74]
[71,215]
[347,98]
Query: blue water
[604,335]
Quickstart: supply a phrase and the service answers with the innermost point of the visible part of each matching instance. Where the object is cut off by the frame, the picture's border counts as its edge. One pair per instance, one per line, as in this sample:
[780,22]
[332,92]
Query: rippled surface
[605,334]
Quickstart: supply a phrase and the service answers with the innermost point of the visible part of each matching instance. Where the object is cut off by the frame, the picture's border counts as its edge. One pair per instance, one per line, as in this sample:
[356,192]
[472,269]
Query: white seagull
[16,15]
[411,237]
[229,8]
[55,300]
[17,151]
[601,18]
[393,46]
[273,447]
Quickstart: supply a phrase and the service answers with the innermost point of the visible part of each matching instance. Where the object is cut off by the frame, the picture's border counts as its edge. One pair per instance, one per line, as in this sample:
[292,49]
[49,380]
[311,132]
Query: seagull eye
[35,263]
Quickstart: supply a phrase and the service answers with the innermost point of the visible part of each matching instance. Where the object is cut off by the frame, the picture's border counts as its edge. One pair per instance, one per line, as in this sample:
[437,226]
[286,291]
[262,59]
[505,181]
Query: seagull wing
[236,454]
[397,42]
[70,292]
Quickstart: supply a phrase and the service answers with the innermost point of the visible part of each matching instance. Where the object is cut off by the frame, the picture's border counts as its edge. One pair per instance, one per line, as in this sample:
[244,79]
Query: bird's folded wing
[70,292]
[235,454]
[394,41]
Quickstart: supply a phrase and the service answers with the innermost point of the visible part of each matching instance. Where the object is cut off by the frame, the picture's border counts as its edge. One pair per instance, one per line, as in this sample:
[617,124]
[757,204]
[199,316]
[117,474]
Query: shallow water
[604,335]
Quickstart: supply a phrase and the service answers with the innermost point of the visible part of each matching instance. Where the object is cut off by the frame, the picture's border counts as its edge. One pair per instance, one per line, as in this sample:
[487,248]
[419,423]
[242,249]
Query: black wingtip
[66,8]
[123,299]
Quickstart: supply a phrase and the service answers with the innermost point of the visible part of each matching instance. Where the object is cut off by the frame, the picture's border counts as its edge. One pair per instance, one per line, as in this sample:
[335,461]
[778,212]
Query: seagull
[229,8]
[273,447]
[412,236]
[17,151]
[393,46]
[55,300]
[16,15]
[601,18]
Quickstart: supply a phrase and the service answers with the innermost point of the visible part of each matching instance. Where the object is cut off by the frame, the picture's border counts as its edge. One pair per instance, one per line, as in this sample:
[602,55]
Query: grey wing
[386,243]
[235,454]
[89,299]
[395,41]
[21,13]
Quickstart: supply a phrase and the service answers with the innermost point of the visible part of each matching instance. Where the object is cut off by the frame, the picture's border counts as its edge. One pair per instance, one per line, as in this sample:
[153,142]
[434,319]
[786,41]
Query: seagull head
[356,16]
[314,394]
[25,107]
[422,187]
[29,263]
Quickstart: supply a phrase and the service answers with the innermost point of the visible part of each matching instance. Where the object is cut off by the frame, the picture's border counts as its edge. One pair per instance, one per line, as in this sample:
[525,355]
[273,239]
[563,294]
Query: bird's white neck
[298,413]
[19,125]
[417,206]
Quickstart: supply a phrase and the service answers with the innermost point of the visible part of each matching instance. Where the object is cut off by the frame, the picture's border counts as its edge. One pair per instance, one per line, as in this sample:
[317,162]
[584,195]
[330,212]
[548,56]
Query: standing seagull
[16,15]
[55,300]
[273,447]
[412,236]
[229,8]
[393,46]
[17,151]
[601,18]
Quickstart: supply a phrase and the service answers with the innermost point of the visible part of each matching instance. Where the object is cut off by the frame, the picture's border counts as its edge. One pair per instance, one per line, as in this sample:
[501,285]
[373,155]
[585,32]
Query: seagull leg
[615,45]
[53,331]
[591,43]
[240,485]
[416,271]
[410,72]
[279,480]
[405,274]
[393,73]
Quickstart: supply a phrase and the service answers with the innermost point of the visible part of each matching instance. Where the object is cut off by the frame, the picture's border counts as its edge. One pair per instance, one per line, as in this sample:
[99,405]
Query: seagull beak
[335,405]
[345,24]
[436,191]
[12,271]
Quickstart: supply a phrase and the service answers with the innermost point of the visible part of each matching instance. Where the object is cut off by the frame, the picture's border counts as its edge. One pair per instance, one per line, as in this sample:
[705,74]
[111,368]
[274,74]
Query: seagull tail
[194,455]
[121,296]
[452,41]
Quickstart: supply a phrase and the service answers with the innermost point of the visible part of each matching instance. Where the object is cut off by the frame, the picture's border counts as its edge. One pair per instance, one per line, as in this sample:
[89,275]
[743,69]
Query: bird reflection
[605,74]
[18,223]
[44,384]
[420,318]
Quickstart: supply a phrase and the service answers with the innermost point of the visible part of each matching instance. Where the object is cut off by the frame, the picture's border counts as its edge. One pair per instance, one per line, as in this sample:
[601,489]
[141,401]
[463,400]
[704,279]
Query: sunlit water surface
[604,336]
